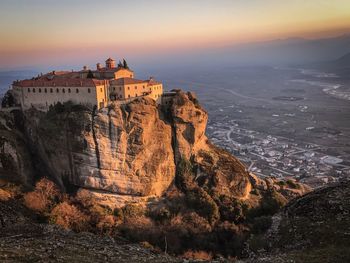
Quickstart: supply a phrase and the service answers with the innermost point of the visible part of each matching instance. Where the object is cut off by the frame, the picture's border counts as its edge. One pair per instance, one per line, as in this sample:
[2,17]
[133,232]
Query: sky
[51,32]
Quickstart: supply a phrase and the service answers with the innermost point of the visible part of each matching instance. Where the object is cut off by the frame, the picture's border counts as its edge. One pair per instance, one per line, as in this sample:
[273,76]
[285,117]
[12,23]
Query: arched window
[89,90]
[57,90]
[77,90]
[63,90]
[101,89]
[136,95]
[39,90]
[128,96]
[33,89]
[28,89]
[69,90]
[45,90]
[51,90]
[128,88]
[135,87]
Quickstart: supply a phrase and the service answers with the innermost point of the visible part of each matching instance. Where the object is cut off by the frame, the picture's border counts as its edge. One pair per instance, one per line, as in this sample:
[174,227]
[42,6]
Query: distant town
[267,155]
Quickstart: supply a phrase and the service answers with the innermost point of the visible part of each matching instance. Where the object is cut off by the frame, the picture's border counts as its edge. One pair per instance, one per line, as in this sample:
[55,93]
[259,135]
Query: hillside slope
[312,228]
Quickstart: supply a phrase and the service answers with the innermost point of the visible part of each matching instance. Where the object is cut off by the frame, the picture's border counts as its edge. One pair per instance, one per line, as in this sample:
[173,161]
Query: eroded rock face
[125,149]
[15,157]
[130,149]
[218,170]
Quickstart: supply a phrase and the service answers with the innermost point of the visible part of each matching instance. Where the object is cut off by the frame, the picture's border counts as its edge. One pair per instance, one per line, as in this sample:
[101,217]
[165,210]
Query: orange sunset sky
[42,32]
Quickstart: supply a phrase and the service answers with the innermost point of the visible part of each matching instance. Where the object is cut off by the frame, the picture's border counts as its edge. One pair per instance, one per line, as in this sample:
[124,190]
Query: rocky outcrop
[126,151]
[131,150]
[15,157]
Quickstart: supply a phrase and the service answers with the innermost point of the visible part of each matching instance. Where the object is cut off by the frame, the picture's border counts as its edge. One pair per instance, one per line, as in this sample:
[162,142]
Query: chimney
[98,66]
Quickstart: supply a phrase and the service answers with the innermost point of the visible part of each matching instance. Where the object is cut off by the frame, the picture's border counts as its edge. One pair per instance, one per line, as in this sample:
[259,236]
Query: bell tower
[110,63]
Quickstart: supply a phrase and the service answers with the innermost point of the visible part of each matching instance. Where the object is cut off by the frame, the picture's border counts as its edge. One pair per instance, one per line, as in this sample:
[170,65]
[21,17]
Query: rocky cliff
[126,151]
[123,152]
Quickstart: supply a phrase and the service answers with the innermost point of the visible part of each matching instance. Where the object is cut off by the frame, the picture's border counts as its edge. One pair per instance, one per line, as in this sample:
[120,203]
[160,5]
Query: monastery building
[87,87]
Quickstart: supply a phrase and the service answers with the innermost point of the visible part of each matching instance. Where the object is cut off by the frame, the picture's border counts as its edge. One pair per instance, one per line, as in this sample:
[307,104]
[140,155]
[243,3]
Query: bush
[203,204]
[261,224]
[131,211]
[8,100]
[37,202]
[106,224]
[69,217]
[161,215]
[118,213]
[270,204]
[232,209]
[293,184]
[44,196]
[257,243]
[184,175]
[4,195]
[197,255]
[195,223]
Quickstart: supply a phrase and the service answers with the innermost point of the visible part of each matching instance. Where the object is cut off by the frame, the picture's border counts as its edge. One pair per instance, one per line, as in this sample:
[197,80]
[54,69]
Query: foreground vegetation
[189,221]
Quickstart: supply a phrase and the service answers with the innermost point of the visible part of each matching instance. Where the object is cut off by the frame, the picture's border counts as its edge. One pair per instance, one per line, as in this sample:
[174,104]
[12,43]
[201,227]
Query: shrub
[203,204]
[232,209]
[69,217]
[44,196]
[261,224]
[161,215]
[118,213]
[197,255]
[36,202]
[4,195]
[131,211]
[195,223]
[106,224]
[293,184]
[271,202]
[257,243]
[184,175]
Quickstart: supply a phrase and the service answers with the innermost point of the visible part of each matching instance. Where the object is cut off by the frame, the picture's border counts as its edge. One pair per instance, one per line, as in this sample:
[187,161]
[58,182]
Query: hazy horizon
[62,34]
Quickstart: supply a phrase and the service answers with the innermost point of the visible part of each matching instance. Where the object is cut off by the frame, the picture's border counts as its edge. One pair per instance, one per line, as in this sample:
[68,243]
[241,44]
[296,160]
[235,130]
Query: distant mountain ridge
[289,51]
[343,61]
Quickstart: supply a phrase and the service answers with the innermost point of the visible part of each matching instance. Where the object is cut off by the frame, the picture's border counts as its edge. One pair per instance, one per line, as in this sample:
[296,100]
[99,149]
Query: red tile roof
[59,82]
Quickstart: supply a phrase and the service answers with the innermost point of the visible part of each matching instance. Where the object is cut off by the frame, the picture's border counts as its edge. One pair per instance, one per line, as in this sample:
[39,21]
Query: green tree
[125,64]
[90,75]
